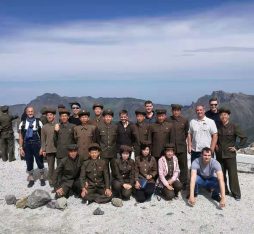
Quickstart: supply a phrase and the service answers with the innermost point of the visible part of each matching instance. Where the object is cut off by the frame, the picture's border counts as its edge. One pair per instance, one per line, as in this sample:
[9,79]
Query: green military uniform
[180,129]
[160,135]
[123,173]
[94,173]
[6,135]
[67,175]
[62,139]
[227,136]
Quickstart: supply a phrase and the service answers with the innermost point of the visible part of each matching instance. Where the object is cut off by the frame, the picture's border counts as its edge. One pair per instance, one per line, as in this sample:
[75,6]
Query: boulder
[38,198]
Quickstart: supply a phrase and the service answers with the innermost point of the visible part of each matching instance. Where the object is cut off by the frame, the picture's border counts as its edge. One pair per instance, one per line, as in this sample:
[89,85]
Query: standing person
[213,113]
[63,135]
[7,135]
[74,118]
[107,132]
[206,172]
[150,114]
[67,174]
[169,173]
[226,151]
[202,133]
[48,148]
[180,129]
[161,133]
[123,174]
[145,174]
[30,144]
[124,130]
[97,109]
[43,117]
[84,135]
[94,178]
[140,130]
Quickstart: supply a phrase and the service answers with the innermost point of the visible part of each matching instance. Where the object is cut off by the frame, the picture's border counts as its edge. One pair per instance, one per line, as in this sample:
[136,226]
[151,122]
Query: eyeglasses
[213,104]
[75,107]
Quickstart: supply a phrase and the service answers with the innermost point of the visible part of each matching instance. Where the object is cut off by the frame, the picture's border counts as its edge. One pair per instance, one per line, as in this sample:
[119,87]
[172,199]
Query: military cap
[50,110]
[169,146]
[4,108]
[83,112]
[61,106]
[94,146]
[141,111]
[108,112]
[97,105]
[224,110]
[145,144]
[43,110]
[176,107]
[72,147]
[75,103]
[64,111]
[160,111]
[124,148]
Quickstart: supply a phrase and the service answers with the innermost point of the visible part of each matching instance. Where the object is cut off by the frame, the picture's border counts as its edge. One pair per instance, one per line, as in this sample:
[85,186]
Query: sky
[169,51]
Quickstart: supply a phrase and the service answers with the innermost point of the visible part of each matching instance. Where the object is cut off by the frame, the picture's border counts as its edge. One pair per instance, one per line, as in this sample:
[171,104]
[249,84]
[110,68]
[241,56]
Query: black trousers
[183,165]
[170,194]
[229,165]
[144,194]
[68,191]
[119,191]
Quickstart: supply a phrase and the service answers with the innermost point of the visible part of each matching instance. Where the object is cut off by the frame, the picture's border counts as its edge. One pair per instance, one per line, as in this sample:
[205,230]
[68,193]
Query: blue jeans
[209,183]
[32,150]
[195,155]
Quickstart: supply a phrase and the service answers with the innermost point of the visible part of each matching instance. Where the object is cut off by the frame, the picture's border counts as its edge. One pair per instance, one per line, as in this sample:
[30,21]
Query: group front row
[93,181]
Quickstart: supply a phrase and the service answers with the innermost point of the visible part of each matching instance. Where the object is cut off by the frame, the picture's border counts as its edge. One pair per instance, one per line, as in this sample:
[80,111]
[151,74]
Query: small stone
[22,203]
[117,202]
[10,199]
[170,213]
[61,203]
[98,211]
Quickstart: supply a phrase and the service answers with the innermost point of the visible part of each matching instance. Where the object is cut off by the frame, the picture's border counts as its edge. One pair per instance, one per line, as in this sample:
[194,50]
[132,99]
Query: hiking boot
[216,197]
[30,184]
[43,183]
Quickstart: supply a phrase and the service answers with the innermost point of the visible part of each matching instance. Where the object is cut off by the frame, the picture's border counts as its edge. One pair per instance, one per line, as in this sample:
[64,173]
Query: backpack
[38,127]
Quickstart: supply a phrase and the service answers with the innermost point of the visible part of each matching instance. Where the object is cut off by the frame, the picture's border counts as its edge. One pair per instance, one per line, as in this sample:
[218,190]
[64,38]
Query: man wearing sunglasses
[213,112]
[74,118]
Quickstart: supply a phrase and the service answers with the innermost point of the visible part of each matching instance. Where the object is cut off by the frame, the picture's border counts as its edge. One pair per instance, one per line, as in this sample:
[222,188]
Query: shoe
[30,184]
[237,198]
[216,197]
[43,183]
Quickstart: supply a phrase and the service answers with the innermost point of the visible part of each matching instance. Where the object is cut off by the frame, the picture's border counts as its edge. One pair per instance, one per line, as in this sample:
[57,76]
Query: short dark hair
[148,102]
[206,149]
[213,99]
[123,112]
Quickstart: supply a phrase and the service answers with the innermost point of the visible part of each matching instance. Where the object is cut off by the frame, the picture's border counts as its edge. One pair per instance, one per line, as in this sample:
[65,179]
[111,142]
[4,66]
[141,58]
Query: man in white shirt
[202,133]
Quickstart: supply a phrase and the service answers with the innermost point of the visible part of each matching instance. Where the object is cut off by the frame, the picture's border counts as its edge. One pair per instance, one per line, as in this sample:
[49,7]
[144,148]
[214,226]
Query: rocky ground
[151,217]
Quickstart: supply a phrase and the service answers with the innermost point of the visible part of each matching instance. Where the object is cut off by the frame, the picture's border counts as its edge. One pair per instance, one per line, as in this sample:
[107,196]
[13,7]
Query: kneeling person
[94,178]
[67,174]
[123,174]
[203,170]
[169,173]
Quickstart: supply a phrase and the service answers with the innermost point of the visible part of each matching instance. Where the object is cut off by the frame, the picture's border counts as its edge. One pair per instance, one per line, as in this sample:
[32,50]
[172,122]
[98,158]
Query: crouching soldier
[94,178]
[123,174]
[169,173]
[67,174]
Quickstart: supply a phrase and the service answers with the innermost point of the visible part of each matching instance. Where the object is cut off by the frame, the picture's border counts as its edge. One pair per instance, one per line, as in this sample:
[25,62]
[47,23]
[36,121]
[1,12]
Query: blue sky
[168,51]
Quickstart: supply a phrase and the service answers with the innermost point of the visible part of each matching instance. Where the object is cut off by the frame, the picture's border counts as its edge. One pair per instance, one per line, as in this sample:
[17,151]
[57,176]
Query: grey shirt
[206,171]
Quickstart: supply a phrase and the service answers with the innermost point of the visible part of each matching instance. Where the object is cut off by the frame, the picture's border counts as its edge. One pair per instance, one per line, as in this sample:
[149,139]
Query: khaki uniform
[160,134]
[227,136]
[95,174]
[180,133]
[140,132]
[67,176]
[47,145]
[63,138]
[84,135]
[96,121]
[123,173]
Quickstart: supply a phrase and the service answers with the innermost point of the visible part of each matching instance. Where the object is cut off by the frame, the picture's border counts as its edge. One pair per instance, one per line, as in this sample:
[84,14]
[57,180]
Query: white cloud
[217,43]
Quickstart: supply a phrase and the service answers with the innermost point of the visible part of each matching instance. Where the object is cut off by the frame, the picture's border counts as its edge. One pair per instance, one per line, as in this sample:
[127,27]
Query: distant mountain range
[241,106]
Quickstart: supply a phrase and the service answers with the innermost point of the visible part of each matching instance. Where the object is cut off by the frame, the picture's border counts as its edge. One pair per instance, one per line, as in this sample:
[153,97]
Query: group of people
[98,159]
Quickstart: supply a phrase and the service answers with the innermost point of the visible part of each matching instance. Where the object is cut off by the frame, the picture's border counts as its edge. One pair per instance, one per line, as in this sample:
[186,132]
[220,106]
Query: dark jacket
[145,166]
[107,140]
[63,138]
[124,171]
[6,124]
[214,116]
[180,133]
[95,173]
[74,120]
[124,135]
[227,136]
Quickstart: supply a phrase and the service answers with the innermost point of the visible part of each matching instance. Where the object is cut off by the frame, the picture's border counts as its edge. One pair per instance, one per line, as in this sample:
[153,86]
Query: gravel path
[151,217]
